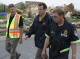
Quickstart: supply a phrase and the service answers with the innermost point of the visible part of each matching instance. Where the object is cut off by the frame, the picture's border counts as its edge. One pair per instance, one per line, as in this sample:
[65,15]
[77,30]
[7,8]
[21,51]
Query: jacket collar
[45,17]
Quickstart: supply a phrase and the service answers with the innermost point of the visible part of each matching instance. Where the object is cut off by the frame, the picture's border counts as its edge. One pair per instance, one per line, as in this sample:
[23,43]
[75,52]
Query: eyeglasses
[55,16]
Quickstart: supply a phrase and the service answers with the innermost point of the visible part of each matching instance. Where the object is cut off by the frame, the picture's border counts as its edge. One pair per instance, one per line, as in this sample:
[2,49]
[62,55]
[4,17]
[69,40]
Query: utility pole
[4,8]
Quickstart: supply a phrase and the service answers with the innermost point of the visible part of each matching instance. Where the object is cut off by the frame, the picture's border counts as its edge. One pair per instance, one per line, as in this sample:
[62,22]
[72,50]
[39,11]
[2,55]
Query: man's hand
[73,56]
[20,41]
[45,47]
[26,37]
[43,54]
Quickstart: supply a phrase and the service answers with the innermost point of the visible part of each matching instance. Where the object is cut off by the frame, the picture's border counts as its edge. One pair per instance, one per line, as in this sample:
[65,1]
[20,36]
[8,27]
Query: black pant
[53,55]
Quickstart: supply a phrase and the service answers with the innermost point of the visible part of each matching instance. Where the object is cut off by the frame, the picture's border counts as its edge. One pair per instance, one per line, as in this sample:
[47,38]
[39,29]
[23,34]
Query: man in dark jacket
[60,36]
[39,28]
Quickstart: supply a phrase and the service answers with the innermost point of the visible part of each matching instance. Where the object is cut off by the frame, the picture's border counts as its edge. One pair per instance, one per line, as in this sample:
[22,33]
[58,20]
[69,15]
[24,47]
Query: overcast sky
[48,2]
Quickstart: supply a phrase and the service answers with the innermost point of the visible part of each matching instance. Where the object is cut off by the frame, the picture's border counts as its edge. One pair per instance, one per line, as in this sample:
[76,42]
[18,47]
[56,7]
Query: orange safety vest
[14,30]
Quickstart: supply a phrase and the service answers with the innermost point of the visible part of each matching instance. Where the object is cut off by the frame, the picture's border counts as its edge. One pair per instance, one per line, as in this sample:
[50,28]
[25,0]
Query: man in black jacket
[60,36]
[39,28]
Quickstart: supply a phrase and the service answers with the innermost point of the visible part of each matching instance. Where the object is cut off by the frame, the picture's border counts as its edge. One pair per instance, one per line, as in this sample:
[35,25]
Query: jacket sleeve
[31,31]
[74,37]
[21,22]
[50,20]
[47,34]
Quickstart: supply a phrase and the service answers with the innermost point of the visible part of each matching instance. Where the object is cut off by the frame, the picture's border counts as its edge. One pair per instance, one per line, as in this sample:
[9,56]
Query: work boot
[18,56]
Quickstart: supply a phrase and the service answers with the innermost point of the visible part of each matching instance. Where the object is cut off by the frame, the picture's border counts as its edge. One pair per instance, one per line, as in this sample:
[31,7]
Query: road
[27,49]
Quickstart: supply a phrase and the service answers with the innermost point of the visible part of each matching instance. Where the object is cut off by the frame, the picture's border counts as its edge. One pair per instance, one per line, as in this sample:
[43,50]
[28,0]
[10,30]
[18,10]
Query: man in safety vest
[14,31]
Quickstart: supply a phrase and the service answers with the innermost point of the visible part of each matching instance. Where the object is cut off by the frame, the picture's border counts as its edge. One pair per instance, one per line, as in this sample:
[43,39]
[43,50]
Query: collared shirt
[41,17]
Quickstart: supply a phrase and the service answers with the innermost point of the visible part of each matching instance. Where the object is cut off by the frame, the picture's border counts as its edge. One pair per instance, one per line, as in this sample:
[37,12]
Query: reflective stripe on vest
[14,30]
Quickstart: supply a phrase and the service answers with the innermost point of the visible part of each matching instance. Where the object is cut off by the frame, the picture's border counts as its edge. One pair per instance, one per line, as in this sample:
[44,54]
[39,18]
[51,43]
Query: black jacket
[39,29]
[61,37]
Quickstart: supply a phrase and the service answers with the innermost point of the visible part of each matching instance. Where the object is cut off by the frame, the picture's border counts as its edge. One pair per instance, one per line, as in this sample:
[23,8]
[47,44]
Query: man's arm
[21,32]
[45,47]
[73,51]
[31,30]
[46,44]
[74,40]
[21,29]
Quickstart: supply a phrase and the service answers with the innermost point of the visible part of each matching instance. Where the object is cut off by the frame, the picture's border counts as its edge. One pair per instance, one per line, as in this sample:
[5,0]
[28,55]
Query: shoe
[18,56]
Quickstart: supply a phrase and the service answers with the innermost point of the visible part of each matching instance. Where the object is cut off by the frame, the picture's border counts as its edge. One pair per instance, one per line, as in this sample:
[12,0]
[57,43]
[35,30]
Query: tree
[2,8]
[22,6]
[29,14]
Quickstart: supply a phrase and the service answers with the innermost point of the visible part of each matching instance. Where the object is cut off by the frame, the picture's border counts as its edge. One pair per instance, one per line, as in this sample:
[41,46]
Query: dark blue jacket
[39,29]
[61,37]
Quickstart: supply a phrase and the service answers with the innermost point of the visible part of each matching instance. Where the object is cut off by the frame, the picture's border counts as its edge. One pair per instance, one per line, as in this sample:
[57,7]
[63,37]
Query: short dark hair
[11,5]
[43,4]
[59,11]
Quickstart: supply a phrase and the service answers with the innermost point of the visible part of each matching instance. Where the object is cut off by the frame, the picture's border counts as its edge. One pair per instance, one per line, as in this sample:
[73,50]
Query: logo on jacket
[44,23]
[65,33]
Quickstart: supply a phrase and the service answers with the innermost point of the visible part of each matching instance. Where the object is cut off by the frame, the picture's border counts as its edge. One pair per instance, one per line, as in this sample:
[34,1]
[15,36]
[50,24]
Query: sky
[48,2]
